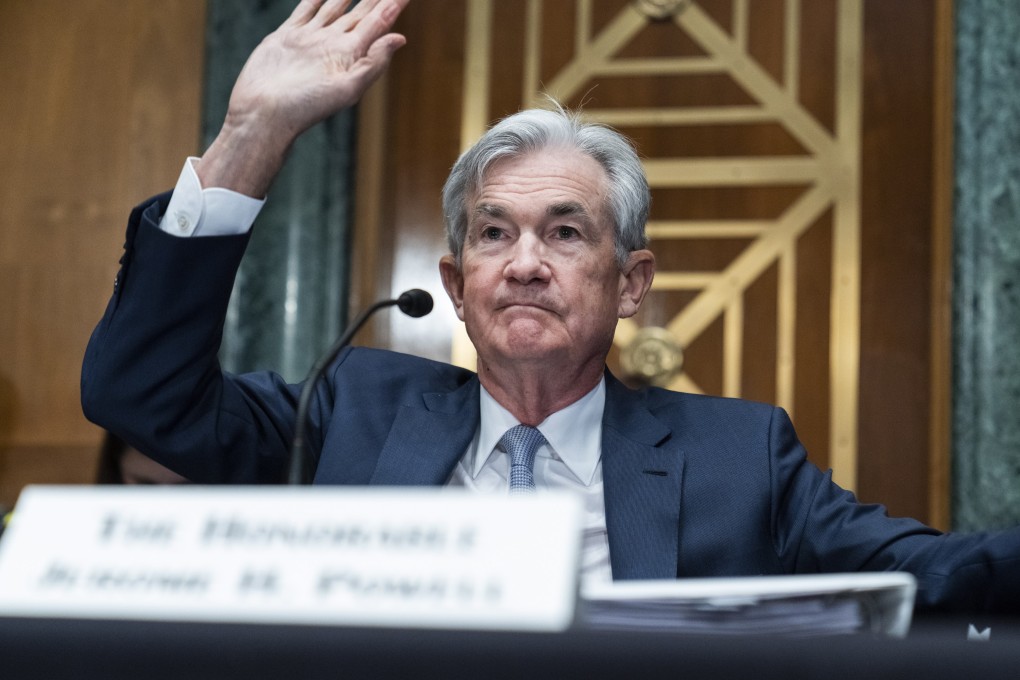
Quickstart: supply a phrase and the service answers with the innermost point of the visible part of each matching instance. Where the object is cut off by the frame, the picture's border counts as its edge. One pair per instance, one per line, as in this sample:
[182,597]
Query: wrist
[245,157]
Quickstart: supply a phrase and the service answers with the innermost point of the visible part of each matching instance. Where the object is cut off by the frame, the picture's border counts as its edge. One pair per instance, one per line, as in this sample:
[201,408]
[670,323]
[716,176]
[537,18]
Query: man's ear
[635,281]
[453,282]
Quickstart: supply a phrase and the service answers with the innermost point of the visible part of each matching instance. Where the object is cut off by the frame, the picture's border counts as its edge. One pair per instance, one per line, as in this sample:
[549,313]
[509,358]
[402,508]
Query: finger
[376,23]
[358,12]
[382,50]
[367,69]
[303,13]
[330,11]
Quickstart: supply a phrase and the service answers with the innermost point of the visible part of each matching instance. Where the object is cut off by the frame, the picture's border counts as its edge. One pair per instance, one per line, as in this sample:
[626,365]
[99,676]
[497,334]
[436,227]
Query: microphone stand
[414,303]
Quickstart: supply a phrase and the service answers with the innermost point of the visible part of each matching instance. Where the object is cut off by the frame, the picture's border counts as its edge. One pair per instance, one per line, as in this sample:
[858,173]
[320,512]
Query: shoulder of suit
[656,398]
[383,363]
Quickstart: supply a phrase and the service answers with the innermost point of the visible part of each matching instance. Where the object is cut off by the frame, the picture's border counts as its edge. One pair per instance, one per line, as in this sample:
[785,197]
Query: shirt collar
[574,433]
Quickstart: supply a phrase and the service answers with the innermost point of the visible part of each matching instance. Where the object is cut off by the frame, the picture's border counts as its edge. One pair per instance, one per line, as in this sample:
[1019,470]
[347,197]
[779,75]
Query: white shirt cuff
[194,211]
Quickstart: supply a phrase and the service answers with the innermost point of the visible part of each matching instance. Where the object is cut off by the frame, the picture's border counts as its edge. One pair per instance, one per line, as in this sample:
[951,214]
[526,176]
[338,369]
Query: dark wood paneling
[414,120]
[896,218]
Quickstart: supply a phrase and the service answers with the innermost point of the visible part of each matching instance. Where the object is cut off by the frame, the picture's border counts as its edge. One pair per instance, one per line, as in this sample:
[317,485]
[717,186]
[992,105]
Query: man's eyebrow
[489,210]
[568,209]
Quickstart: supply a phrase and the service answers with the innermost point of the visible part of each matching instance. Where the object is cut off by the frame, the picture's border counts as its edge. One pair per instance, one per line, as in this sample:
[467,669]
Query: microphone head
[415,302]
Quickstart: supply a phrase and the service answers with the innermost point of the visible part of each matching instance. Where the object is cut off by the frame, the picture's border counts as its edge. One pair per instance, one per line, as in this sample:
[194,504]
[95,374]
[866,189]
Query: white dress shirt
[570,459]
[194,211]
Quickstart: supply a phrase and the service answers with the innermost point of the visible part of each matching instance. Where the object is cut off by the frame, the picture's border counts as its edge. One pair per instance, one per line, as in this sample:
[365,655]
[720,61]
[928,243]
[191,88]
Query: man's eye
[491,233]
[566,233]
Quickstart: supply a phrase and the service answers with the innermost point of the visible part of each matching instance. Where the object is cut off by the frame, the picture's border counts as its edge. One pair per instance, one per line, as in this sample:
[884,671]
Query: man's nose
[527,261]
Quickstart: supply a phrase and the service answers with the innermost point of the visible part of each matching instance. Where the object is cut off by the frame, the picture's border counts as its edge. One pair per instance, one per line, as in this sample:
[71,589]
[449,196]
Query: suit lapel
[427,439]
[641,468]
[642,472]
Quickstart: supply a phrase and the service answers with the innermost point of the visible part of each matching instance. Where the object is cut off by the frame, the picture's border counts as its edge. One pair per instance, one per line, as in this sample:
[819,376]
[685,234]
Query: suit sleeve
[151,373]
[819,527]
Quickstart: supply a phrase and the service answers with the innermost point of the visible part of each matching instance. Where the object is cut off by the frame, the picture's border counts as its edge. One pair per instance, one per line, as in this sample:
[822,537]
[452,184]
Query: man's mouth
[526,305]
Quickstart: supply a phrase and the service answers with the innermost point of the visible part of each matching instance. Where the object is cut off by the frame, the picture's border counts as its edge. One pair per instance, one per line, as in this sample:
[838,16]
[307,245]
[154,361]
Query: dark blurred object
[119,463]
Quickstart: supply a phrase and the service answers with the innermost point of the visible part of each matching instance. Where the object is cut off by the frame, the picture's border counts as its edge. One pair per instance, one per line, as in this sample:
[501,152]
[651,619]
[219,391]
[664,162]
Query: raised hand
[319,61]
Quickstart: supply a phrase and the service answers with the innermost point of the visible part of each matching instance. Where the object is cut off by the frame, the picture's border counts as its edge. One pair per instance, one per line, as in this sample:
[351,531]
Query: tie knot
[521,442]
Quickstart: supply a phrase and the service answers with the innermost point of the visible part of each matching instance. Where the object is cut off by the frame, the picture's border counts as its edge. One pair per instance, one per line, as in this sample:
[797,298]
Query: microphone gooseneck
[415,303]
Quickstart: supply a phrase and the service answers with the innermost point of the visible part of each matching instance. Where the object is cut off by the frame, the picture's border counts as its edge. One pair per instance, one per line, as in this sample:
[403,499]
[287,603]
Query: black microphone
[415,303]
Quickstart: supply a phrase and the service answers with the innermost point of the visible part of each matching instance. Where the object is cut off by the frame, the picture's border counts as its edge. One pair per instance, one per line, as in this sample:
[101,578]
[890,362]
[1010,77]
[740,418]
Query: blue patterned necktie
[521,442]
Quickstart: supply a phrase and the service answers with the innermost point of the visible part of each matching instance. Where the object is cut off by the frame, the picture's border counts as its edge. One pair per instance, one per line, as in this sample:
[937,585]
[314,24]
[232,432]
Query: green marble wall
[986,392]
[289,301]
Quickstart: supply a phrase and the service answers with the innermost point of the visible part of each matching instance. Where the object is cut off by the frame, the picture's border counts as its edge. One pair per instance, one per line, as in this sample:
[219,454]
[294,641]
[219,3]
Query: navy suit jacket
[694,485]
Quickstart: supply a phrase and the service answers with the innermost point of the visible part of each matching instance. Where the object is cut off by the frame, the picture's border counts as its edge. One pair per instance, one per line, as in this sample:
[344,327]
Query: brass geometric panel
[828,169]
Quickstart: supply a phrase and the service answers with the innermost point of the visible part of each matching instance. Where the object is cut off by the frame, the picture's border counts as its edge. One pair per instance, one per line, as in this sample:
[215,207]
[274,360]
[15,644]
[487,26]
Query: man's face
[539,280]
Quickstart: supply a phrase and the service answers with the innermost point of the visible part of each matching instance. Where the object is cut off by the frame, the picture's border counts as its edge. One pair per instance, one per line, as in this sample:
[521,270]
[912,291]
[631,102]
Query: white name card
[438,558]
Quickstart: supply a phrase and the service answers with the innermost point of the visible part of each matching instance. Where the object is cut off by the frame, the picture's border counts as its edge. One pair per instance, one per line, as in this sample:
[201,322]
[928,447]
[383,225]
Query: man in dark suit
[545,219]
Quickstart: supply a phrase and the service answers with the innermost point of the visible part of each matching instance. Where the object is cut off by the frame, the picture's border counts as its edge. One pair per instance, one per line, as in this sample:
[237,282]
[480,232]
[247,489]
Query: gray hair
[627,198]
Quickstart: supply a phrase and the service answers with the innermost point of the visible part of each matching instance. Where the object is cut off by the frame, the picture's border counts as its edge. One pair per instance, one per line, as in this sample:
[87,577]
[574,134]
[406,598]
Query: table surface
[79,649]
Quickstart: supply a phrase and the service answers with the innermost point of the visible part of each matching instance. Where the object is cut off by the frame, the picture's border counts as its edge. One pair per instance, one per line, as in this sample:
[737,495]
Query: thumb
[381,52]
